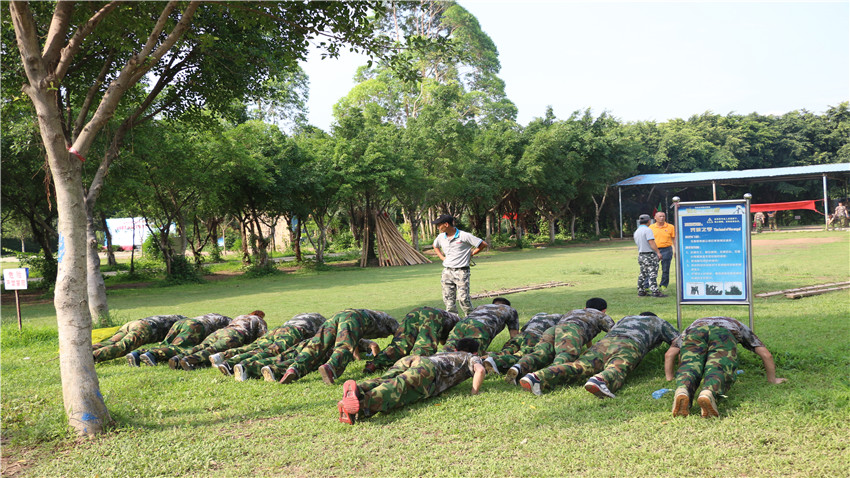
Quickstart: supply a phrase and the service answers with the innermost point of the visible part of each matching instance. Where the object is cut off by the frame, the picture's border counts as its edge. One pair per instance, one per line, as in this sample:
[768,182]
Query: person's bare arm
[655,248]
[477,378]
[669,362]
[513,332]
[480,247]
[440,253]
[769,365]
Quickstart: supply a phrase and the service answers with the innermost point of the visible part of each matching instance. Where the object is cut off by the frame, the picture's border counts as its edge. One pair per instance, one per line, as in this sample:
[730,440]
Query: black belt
[458,268]
[646,253]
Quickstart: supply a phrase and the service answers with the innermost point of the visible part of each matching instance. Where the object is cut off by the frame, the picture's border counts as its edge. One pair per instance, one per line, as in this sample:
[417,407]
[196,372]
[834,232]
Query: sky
[652,61]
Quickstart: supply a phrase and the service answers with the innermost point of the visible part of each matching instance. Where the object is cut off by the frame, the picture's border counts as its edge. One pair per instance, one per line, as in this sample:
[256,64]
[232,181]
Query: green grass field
[175,423]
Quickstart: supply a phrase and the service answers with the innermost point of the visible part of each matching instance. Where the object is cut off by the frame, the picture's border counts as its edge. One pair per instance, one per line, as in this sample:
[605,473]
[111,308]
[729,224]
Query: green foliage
[183,271]
[39,267]
[253,270]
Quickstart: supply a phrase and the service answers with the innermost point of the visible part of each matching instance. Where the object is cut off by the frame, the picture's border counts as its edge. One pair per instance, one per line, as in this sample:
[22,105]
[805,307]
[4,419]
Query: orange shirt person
[665,239]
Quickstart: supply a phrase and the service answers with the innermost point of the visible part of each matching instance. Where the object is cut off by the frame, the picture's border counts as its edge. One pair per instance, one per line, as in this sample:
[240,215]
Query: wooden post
[18,307]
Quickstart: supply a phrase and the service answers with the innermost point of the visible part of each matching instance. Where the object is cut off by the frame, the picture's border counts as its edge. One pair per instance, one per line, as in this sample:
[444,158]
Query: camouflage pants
[129,337]
[277,362]
[513,350]
[648,277]
[218,341]
[419,334]
[468,329]
[333,344]
[184,335]
[709,354]
[558,345]
[270,344]
[759,226]
[455,284]
[411,379]
[610,360]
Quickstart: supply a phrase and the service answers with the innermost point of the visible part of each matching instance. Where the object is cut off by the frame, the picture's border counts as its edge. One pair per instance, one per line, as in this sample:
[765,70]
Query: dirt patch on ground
[813,240]
[14,462]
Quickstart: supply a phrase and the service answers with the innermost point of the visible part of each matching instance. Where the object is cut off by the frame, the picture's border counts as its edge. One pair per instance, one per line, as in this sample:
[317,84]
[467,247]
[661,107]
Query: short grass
[174,423]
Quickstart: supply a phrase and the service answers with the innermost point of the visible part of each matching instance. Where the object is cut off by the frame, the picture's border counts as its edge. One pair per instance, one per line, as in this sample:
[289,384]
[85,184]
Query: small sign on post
[16,279]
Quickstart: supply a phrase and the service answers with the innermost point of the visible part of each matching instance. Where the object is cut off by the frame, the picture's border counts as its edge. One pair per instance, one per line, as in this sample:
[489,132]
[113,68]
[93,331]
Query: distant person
[771,219]
[648,258]
[759,220]
[183,335]
[841,214]
[421,331]
[455,248]
[133,335]
[707,352]
[484,323]
[610,360]
[665,240]
[410,380]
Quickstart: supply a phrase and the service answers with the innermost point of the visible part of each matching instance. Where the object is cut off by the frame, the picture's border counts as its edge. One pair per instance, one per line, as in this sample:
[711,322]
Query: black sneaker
[147,358]
[641,293]
[531,383]
[598,388]
[133,359]
[174,362]
[658,293]
[224,368]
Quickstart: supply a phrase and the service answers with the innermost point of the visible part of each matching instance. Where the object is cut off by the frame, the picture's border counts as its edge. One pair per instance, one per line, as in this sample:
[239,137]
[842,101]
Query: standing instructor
[665,239]
[455,248]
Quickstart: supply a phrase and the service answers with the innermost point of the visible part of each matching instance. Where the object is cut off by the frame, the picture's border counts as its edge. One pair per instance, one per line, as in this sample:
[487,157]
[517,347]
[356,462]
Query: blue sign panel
[713,252]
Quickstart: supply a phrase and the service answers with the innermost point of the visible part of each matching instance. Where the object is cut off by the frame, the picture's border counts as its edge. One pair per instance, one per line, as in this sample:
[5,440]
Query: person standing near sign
[648,258]
[455,248]
[665,239]
[771,220]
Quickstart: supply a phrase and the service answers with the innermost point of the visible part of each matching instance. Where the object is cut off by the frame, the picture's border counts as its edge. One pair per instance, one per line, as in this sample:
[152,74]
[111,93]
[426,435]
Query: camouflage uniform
[414,378]
[134,334]
[563,342]
[282,361]
[709,353]
[457,251]
[185,334]
[335,341]
[759,220]
[647,260]
[483,324]
[422,329]
[618,353]
[243,329]
[455,288]
[275,341]
[525,340]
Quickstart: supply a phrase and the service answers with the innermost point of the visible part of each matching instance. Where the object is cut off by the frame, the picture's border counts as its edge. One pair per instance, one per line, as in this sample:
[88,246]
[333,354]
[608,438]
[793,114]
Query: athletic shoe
[370,368]
[681,402]
[531,383]
[708,404]
[658,293]
[349,406]
[290,376]
[225,369]
[512,374]
[490,366]
[187,365]
[216,359]
[239,373]
[327,373]
[268,374]
[147,358]
[174,362]
[133,359]
[641,293]
[598,388]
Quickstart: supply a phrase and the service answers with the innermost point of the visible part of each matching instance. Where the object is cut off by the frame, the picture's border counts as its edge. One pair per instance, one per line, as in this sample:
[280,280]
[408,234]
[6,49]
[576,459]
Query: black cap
[444,218]
[644,218]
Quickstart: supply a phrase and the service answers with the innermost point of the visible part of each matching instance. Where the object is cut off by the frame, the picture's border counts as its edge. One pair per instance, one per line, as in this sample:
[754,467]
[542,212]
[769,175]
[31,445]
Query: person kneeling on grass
[410,380]
[709,353]
[611,359]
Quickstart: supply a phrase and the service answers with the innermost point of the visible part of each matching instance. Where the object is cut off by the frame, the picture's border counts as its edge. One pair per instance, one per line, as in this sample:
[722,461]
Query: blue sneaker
[531,383]
[133,358]
[148,359]
[598,388]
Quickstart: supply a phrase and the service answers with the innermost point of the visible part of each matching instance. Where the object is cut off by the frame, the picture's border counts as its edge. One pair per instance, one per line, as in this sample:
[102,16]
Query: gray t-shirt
[642,237]
[457,248]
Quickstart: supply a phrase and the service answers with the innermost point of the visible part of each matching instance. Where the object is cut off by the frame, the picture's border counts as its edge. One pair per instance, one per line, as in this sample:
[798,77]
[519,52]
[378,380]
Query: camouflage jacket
[251,327]
[212,322]
[743,334]
[590,322]
[646,331]
[161,324]
[376,324]
[308,323]
[452,368]
[494,318]
[538,323]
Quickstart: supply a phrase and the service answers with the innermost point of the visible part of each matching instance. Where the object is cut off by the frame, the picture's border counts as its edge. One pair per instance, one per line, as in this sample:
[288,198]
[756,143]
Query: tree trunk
[110,254]
[551,220]
[98,308]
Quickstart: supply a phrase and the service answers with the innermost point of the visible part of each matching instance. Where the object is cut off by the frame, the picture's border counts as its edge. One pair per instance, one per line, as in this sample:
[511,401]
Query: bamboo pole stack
[808,290]
[393,250]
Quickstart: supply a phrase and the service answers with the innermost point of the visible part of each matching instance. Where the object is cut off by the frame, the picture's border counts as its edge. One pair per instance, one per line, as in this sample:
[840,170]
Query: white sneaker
[598,388]
[216,359]
[492,365]
[268,375]
[707,404]
[239,373]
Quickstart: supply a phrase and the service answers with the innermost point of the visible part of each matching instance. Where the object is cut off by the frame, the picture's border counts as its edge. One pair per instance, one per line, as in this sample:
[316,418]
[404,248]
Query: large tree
[83,63]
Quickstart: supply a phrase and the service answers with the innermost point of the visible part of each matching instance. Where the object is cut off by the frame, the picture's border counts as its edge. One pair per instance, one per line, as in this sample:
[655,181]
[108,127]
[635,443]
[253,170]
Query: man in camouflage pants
[271,344]
[564,342]
[648,258]
[484,323]
[184,335]
[455,248]
[335,342]
[420,332]
[611,359]
[709,353]
[133,335]
[520,344]
[272,367]
[241,330]
[411,379]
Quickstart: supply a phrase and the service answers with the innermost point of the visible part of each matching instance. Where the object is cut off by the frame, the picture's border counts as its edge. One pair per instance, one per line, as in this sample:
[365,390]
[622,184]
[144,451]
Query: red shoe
[290,376]
[344,416]
[327,373]
[350,400]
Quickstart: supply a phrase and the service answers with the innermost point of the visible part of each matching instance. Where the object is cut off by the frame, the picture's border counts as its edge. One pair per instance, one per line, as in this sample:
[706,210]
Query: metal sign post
[16,279]
[715,254]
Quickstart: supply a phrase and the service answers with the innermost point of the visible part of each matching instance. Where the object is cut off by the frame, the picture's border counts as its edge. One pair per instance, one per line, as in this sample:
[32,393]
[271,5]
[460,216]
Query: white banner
[122,229]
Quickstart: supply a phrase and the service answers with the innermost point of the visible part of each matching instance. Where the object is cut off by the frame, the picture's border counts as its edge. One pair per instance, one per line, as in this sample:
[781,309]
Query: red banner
[785,206]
